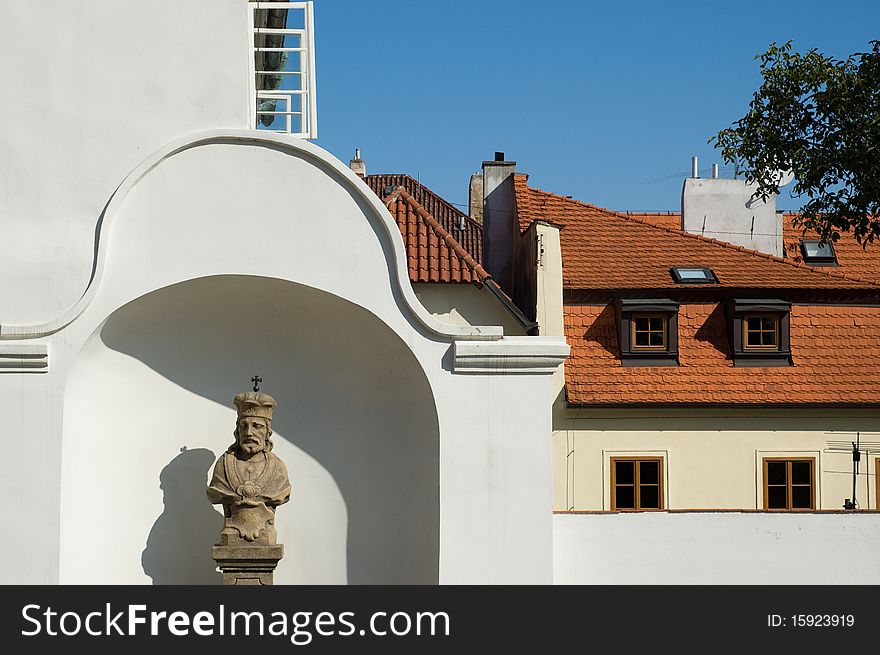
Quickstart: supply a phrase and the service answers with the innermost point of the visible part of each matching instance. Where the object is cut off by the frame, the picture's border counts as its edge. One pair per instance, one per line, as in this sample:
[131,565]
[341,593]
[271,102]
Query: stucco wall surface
[91,88]
[716,548]
[465,304]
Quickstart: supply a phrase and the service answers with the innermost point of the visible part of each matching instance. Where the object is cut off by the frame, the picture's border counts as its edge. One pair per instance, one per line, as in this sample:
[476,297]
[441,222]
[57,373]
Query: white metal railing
[282,68]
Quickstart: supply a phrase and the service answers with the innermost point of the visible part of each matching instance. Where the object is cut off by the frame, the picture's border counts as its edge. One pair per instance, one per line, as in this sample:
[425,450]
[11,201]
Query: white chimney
[357,164]
[500,227]
[728,210]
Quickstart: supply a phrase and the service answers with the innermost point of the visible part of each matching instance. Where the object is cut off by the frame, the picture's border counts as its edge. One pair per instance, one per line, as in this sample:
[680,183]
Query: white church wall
[91,88]
[30,427]
[128,170]
[239,204]
[495,481]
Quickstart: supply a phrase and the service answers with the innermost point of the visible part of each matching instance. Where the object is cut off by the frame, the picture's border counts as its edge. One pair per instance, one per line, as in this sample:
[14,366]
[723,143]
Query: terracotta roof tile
[852,258]
[602,249]
[433,254]
[524,212]
[835,351]
[466,231]
[663,219]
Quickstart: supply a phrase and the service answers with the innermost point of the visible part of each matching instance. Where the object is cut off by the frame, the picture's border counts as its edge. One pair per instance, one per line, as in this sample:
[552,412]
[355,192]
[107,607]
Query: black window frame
[713,279]
[626,310]
[830,260]
[737,311]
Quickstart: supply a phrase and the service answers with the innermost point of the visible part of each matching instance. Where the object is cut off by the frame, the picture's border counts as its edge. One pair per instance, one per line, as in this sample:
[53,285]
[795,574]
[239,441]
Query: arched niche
[148,408]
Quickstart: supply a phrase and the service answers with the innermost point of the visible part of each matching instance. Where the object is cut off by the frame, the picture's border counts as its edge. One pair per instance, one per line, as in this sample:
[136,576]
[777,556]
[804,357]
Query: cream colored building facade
[712,458]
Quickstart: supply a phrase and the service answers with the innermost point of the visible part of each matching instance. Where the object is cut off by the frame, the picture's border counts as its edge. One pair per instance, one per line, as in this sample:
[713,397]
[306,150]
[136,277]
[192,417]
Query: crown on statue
[255,403]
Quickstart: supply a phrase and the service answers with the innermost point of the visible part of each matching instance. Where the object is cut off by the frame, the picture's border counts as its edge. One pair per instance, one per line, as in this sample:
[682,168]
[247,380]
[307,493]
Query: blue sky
[603,101]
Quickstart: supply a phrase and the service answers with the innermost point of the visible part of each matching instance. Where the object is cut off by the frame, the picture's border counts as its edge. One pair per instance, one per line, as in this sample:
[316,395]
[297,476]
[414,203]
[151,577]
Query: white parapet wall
[716,548]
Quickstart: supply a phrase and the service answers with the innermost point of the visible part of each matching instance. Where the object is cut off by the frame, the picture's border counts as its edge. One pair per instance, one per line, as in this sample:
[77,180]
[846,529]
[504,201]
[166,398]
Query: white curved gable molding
[308,151]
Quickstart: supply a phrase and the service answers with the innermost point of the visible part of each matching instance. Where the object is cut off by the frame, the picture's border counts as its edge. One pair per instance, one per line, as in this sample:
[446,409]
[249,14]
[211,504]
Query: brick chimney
[475,197]
[357,164]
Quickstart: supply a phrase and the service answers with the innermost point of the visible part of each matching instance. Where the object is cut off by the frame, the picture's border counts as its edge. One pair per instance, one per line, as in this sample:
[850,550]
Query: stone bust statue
[249,480]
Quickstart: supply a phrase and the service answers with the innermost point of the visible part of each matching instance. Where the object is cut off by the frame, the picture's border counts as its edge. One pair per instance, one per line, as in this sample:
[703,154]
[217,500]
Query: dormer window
[693,275]
[818,253]
[647,332]
[759,332]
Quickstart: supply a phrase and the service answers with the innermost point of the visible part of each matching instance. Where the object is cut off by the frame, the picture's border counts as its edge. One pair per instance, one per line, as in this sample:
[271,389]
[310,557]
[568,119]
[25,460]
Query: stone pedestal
[248,565]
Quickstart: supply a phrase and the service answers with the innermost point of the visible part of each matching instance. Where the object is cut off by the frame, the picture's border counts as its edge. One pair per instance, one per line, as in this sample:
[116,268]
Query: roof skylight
[693,275]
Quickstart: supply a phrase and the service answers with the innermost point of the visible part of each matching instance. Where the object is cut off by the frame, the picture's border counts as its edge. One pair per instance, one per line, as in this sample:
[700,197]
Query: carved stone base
[248,565]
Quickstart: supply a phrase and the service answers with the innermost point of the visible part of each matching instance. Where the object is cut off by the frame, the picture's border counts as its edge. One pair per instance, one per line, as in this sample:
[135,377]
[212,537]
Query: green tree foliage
[819,118]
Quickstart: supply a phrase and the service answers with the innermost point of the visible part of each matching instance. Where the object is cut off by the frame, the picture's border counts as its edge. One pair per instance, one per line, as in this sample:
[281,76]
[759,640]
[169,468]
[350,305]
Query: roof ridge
[433,193]
[439,230]
[657,212]
[723,244]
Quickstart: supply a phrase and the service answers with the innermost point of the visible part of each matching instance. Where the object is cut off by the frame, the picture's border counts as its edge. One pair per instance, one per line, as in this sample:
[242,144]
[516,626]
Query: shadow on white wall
[178,548]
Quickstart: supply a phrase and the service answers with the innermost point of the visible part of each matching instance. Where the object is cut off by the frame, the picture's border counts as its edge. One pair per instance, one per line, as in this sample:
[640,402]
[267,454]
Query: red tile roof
[467,232]
[432,253]
[835,350]
[663,219]
[602,249]
[852,258]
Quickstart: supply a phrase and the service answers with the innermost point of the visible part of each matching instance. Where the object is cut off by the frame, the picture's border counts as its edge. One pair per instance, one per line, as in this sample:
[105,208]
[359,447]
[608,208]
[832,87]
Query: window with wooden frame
[649,331]
[636,483]
[760,332]
[789,483]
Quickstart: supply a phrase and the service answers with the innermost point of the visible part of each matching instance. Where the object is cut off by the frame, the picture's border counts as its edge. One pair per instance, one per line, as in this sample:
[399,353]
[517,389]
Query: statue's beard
[251,447]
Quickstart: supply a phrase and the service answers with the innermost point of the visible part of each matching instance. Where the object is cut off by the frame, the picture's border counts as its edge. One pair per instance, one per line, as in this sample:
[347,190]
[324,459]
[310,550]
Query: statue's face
[253,432]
